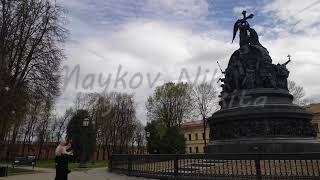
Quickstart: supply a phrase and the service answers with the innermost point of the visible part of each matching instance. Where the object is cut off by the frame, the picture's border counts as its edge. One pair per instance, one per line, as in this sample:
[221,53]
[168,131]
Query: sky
[135,45]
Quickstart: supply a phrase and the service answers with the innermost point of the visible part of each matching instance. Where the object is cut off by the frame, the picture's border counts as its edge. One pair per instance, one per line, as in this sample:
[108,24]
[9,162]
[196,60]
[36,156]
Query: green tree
[170,103]
[164,140]
[156,130]
[83,137]
[173,142]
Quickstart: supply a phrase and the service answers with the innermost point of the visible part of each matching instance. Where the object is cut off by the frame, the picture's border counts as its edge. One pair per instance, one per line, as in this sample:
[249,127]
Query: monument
[257,114]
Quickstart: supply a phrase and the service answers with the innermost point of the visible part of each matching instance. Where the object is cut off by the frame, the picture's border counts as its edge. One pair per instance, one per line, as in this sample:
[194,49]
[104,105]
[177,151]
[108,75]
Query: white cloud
[295,15]
[144,47]
[305,65]
[181,9]
[287,18]
[238,9]
[152,45]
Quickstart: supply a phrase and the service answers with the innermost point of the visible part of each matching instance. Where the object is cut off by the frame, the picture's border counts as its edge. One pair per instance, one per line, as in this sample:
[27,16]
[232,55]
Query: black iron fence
[219,166]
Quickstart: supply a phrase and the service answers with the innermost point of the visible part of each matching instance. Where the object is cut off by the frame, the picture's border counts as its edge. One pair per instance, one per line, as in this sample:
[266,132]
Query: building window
[189,137]
[190,149]
[197,149]
[196,136]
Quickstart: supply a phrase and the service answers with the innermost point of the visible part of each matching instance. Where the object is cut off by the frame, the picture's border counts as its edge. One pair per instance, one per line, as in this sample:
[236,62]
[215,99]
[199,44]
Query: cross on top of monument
[289,56]
[244,26]
[244,13]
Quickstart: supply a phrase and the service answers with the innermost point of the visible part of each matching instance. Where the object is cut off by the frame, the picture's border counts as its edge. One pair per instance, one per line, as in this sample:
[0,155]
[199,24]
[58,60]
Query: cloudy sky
[135,45]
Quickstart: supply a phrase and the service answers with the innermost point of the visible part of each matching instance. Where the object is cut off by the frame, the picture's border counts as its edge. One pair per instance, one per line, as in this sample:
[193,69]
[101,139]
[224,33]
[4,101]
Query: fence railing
[219,166]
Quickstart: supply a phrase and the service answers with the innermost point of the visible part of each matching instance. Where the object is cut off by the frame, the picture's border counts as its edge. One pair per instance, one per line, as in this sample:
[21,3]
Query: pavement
[92,174]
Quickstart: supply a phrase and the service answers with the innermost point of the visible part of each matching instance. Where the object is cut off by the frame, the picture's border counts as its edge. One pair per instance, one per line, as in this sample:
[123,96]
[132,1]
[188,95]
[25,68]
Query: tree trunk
[40,150]
[104,153]
[204,131]
[98,152]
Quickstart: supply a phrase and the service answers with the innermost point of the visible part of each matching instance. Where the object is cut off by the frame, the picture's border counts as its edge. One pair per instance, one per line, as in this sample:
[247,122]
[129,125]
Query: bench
[24,160]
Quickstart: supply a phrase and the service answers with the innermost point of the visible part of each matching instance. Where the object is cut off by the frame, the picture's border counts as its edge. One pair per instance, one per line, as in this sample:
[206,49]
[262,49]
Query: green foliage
[164,140]
[173,142]
[170,103]
[156,130]
[83,138]
[72,165]
[19,171]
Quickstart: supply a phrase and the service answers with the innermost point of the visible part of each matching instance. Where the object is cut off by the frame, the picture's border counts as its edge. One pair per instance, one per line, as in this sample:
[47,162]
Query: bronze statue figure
[243,26]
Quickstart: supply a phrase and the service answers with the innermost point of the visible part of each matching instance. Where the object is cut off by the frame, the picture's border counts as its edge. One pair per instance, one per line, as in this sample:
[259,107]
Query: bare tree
[139,136]
[114,117]
[30,52]
[60,125]
[298,93]
[42,127]
[205,98]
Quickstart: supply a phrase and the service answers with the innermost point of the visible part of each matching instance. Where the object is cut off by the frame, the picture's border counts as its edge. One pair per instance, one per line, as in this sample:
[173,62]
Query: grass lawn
[9,163]
[15,171]
[90,164]
[51,164]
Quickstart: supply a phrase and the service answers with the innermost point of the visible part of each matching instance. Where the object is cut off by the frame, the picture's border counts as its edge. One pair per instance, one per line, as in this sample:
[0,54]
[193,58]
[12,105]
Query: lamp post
[148,140]
[148,134]
[85,122]
[83,158]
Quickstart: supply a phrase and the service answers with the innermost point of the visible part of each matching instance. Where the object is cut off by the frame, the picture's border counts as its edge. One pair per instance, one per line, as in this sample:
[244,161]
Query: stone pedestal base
[276,126]
[264,145]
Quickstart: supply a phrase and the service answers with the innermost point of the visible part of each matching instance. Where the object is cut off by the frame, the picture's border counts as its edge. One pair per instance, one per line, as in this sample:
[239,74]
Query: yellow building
[193,132]
[315,109]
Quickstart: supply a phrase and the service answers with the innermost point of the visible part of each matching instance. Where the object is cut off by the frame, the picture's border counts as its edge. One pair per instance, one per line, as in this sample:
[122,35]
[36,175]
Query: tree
[164,140]
[155,130]
[42,128]
[173,142]
[205,100]
[139,136]
[31,33]
[60,125]
[83,138]
[298,93]
[171,103]
[114,114]
[123,117]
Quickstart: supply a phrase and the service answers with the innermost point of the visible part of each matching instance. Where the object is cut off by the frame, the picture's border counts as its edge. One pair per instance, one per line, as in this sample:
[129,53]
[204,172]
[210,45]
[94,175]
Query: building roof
[315,108]
[192,124]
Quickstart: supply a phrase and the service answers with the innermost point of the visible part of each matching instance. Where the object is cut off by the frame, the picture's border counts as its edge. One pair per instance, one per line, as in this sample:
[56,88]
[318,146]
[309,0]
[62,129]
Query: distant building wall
[48,152]
[193,133]
[13,150]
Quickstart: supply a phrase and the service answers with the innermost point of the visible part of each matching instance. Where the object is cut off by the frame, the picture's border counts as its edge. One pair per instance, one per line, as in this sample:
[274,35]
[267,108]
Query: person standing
[62,159]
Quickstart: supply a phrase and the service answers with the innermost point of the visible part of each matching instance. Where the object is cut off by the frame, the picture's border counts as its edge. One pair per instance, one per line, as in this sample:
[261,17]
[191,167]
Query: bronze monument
[257,113]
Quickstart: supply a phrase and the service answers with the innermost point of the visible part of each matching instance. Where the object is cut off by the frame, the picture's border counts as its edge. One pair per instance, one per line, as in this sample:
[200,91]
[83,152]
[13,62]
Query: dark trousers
[62,170]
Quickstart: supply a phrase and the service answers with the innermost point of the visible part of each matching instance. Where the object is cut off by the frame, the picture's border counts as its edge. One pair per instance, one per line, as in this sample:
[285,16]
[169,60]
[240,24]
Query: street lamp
[148,134]
[85,124]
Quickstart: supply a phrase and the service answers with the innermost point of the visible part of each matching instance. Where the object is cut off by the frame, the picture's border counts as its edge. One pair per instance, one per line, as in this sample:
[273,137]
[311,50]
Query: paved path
[94,174]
